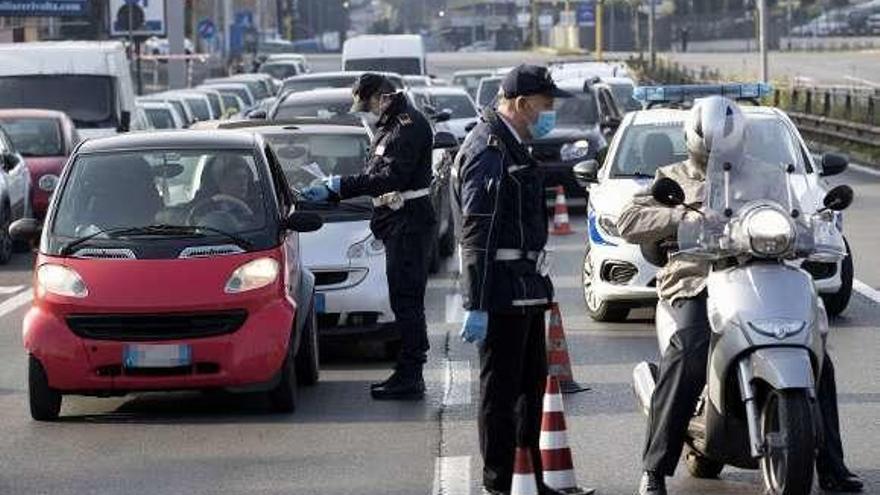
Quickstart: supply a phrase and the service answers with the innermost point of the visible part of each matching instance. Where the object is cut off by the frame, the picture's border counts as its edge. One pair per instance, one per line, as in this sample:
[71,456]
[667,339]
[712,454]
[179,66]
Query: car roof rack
[683,95]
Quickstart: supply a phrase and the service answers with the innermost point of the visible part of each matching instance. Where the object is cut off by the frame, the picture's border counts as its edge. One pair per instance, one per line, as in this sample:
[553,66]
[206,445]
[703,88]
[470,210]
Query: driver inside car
[682,284]
[227,198]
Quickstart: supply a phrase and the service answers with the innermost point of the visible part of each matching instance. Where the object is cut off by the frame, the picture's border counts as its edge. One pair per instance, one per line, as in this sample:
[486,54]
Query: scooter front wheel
[789,443]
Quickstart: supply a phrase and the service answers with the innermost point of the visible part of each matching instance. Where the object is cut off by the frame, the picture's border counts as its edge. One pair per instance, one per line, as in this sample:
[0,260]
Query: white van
[90,81]
[400,53]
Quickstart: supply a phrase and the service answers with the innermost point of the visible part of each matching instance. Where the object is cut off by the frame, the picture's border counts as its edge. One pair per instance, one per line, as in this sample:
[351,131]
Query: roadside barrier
[556,459]
[561,224]
[559,363]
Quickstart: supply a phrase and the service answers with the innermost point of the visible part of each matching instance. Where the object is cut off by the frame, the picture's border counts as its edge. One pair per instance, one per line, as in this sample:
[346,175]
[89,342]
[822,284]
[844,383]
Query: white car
[347,261]
[456,102]
[617,275]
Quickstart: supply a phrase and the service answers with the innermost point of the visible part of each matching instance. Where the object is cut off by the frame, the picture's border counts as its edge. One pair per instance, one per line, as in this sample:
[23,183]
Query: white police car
[618,276]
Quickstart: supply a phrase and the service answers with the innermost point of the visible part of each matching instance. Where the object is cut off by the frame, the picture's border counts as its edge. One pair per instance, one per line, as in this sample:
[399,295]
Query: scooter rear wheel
[789,442]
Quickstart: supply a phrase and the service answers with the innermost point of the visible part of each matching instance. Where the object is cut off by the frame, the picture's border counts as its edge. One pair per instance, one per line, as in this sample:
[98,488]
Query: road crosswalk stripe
[867,291]
[10,289]
[457,389]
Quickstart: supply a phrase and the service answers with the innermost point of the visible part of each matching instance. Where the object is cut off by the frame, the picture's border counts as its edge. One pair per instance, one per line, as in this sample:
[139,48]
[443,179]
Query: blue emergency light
[653,95]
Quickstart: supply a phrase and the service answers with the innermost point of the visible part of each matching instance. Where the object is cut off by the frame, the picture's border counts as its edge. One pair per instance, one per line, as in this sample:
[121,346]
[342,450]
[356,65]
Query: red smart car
[170,261]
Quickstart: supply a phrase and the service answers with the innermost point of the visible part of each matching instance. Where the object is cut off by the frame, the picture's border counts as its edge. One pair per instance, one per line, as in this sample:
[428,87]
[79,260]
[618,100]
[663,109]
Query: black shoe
[652,484]
[391,379]
[492,491]
[406,388]
[848,483]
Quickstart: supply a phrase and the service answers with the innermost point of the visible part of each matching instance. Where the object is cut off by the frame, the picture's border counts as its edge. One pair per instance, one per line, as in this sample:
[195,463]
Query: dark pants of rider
[513,370]
[406,266]
[680,383]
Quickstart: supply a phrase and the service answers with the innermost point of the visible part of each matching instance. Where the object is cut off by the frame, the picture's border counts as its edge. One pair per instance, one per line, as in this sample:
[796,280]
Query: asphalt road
[340,442]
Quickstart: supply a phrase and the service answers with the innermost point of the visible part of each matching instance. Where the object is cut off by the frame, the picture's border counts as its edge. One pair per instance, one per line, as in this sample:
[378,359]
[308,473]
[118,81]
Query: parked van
[400,53]
[89,81]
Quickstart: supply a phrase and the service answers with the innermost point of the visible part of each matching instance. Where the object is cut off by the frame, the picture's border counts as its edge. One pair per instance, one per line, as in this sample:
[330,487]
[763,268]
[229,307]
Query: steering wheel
[234,206]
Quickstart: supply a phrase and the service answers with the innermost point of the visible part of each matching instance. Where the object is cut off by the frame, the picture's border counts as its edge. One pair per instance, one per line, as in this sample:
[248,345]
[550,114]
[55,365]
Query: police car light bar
[688,92]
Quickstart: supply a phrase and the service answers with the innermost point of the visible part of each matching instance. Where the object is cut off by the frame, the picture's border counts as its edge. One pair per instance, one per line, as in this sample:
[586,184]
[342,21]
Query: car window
[577,111]
[488,91]
[311,107]
[623,94]
[280,71]
[35,137]
[160,118]
[461,105]
[199,108]
[310,84]
[217,189]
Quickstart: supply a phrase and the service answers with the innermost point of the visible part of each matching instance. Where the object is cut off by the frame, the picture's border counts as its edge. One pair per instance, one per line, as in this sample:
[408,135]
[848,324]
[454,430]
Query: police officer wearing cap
[501,221]
[398,177]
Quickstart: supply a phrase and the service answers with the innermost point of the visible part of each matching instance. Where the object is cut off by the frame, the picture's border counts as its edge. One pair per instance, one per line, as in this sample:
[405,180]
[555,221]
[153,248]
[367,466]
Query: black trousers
[407,256]
[681,381]
[513,370]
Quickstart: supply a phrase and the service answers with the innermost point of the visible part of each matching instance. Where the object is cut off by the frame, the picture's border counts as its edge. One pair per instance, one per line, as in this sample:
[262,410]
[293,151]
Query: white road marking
[865,169]
[866,82]
[566,281]
[15,302]
[11,289]
[452,476]
[457,389]
[867,291]
[454,309]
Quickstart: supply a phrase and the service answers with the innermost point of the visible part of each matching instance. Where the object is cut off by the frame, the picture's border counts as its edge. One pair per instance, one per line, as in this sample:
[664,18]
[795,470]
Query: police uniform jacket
[500,209]
[400,160]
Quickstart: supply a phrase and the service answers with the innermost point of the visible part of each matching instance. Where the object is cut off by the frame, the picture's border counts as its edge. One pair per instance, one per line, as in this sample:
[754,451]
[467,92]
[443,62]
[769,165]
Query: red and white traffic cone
[561,224]
[524,482]
[556,460]
[558,360]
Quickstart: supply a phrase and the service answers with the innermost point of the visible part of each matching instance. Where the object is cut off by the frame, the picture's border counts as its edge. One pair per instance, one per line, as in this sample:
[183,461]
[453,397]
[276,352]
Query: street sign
[147,17]
[586,14]
[44,8]
[207,29]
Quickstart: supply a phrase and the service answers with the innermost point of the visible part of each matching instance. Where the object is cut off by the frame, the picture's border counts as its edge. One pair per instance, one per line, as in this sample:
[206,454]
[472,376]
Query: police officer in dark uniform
[398,177]
[501,221]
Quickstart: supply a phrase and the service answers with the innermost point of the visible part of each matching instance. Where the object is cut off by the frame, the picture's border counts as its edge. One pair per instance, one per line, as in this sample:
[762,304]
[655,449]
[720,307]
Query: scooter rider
[501,222]
[682,283]
[398,177]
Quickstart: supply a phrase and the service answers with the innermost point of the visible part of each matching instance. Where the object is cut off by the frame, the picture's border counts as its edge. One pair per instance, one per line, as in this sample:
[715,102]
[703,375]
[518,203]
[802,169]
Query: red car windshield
[213,189]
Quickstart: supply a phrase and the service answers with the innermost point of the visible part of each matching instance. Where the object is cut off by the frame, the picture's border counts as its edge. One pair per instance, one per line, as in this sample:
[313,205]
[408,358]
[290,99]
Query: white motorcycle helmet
[715,124]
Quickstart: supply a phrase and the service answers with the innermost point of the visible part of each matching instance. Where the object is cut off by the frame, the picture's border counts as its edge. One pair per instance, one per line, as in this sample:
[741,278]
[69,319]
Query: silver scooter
[758,409]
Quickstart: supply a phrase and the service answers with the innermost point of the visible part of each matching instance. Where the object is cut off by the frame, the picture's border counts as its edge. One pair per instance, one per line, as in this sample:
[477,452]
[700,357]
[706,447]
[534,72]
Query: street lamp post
[762,38]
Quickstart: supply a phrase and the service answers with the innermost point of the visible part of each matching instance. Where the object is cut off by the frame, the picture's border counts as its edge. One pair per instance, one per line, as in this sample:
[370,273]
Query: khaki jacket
[645,221]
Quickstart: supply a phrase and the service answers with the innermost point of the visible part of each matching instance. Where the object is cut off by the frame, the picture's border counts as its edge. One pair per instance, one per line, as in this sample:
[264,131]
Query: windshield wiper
[159,229]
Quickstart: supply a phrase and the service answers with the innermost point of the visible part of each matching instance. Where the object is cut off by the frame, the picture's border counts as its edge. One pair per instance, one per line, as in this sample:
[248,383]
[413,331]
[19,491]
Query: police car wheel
[598,309]
[837,302]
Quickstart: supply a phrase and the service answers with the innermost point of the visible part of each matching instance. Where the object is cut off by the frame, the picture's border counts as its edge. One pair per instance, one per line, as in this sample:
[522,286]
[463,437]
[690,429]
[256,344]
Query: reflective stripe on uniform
[529,302]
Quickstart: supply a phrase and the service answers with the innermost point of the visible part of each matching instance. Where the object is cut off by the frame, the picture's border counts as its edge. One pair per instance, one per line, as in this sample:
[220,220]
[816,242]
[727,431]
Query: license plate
[320,303]
[157,356]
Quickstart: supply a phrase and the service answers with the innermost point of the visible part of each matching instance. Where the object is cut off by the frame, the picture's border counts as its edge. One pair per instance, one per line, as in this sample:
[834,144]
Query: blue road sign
[48,8]
[586,13]
[207,29]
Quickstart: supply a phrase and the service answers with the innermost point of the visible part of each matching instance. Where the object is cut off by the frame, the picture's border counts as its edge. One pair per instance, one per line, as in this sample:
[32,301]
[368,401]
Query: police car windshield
[645,148]
[306,157]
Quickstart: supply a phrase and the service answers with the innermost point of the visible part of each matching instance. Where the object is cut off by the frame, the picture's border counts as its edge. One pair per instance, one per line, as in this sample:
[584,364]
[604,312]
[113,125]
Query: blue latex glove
[332,183]
[474,328]
[316,193]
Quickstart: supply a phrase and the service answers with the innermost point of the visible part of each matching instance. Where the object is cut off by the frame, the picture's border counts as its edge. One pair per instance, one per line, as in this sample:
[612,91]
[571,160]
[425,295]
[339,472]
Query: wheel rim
[590,297]
[775,460]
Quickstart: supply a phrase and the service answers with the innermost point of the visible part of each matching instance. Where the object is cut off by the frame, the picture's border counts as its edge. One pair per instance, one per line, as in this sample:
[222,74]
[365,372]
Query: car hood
[456,126]
[329,245]
[42,165]
[613,195]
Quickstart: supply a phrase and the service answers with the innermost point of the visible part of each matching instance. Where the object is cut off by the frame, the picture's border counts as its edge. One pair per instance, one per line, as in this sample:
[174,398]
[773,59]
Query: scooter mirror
[839,198]
[667,192]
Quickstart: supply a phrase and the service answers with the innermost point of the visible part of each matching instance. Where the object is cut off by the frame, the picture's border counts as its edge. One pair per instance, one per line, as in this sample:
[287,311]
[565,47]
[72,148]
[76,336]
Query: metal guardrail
[825,127]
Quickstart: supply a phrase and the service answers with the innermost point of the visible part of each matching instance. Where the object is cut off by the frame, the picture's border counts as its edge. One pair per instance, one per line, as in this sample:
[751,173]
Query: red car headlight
[60,280]
[252,275]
